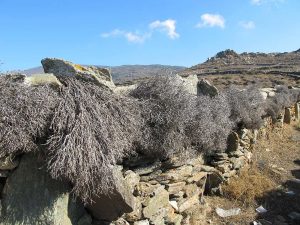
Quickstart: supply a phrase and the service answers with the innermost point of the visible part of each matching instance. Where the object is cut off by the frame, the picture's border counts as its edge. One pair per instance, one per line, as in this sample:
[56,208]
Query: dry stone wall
[148,191]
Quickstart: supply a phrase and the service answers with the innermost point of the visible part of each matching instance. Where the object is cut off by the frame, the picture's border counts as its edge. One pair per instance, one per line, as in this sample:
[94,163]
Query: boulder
[61,68]
[190,83]
[31,196]
[111,206]
[205,88]
[43,79]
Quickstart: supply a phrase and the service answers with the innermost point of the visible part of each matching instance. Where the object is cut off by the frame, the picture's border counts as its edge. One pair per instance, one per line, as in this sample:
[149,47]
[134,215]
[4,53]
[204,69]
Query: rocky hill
[230,62]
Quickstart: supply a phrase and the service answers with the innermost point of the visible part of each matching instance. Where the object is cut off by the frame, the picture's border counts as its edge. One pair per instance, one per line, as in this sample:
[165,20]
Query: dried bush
[25,114]
[92,130]
[247,107]
[166,108]
[250,185]
[209,129]
[284,97]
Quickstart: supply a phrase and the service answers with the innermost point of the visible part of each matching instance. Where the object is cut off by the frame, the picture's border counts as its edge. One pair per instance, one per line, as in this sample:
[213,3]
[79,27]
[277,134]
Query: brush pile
[85,129]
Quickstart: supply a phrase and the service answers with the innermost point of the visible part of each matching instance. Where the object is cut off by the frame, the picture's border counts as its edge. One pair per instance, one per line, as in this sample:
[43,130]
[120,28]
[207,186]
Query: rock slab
[32,197]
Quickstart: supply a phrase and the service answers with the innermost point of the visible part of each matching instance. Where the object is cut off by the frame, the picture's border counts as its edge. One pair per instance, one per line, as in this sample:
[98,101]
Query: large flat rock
[32,197]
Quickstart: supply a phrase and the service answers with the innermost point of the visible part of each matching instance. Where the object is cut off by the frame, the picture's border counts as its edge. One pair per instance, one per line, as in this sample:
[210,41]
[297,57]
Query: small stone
[142,222]
[144,189]
[176,175]
[136,214]
[237,153]
[237,162]
[132,179]
[188,203]
[174,205]
[191,190]
[229,174]
[158,207]
[213,181]
[175,187]
[197,177]
[217,163]
[224,168]
[208,169]
[173,162]
[120,221]
[147,169]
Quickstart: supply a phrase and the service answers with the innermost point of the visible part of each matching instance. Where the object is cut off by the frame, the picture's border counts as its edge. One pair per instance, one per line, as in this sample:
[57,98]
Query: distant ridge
[230,62]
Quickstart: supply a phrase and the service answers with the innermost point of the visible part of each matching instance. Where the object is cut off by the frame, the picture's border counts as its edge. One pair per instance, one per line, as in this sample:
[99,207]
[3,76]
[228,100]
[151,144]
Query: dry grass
[250,185]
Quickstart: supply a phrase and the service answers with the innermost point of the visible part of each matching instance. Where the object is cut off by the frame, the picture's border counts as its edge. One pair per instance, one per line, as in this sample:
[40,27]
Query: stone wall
[148,191]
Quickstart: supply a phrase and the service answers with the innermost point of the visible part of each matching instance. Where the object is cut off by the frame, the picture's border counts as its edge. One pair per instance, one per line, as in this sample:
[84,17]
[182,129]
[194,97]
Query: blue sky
[118,32]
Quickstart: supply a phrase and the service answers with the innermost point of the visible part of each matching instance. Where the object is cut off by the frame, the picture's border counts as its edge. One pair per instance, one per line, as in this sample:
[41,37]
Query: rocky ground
[277,156]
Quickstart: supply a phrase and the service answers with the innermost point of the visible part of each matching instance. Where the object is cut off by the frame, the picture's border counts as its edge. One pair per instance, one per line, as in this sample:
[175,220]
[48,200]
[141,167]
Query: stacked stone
[228,164]
[165,191]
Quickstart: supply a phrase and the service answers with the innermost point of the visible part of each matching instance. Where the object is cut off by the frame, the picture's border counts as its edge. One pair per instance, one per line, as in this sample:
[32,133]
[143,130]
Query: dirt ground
[277,157]
[259,80]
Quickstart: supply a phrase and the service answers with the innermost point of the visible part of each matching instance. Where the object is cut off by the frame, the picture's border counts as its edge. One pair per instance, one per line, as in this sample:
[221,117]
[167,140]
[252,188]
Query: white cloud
[247,24]
[130,36]
[211,20]
[168,26]
[260,2]
[256,2]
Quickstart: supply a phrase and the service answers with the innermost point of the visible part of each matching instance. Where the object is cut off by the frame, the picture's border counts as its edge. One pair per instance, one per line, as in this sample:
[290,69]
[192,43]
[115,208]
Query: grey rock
[190,83]
[176,175]
[188,203]
[85,220]
[119,201]
[213,181]
[147,169]
[132,179]
[175,187]
[61,68]
[43,79]
[233,142]
[158,207]
[237,162]
[31,196]
[287,115]
[205,88]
